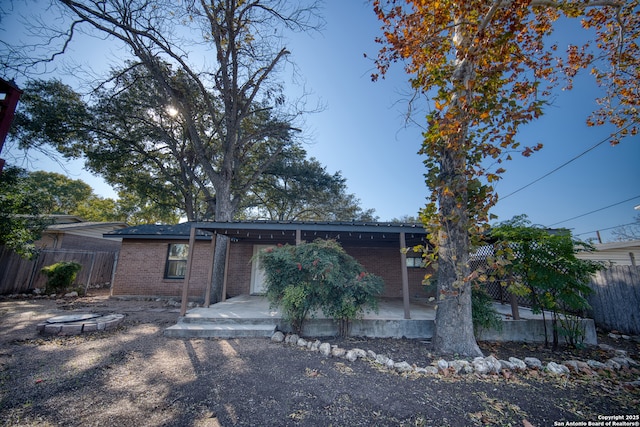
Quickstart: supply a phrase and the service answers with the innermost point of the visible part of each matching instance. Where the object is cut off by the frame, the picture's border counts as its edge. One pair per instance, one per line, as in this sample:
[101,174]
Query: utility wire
[567,162]
[605,229]
[597,210]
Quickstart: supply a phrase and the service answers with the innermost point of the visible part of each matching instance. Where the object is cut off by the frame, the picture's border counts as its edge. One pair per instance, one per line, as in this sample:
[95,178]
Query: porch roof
[362,233]
[260,231]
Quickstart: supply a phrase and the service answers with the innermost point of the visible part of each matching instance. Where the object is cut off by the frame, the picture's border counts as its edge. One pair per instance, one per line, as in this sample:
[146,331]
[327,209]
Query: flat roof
[258,231]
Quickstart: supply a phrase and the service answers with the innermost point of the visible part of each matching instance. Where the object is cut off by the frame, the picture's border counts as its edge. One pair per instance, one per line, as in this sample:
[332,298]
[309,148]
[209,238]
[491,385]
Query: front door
[257,272]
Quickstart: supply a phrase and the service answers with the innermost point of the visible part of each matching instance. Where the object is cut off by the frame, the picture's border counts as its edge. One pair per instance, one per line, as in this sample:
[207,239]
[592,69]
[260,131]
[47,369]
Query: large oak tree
[215,61]
[487,68]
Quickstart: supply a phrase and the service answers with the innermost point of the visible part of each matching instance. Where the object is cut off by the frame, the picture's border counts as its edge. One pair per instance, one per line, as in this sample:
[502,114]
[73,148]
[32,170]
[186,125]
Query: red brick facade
[141,269]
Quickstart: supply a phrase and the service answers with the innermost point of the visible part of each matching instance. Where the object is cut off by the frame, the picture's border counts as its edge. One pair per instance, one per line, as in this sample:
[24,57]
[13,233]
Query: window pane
[176,261]
[176,269]
[178,251]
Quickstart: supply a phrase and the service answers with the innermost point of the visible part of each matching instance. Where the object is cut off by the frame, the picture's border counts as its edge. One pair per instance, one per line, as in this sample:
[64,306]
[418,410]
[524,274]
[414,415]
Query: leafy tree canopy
[487,68]
[22,209]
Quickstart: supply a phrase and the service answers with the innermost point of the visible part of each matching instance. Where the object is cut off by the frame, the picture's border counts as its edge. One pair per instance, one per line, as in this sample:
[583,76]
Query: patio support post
[185,286]
[226,272]
[207,292]
[298,236]
[405,276]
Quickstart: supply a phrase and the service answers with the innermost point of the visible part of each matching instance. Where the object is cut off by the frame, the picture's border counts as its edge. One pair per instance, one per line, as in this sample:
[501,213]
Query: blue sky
[362,133]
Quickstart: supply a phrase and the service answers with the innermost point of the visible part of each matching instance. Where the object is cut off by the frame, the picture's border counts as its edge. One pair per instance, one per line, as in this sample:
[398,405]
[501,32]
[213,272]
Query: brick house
[153,258]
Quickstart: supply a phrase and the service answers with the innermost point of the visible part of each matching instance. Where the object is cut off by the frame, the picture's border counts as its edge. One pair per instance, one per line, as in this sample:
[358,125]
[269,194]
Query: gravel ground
[134,376]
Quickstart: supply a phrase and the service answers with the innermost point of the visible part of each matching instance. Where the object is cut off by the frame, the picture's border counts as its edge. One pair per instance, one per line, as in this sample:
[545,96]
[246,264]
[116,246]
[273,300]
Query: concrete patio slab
[245,316]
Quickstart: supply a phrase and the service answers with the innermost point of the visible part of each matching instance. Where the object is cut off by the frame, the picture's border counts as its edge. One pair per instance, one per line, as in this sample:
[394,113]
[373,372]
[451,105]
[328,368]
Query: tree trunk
[224,212]
[453,333]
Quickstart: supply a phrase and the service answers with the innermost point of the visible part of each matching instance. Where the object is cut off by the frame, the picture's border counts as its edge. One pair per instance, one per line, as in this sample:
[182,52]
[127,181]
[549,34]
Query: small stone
[277,336]
[594,364]
[431,370]
[625,337]
[443,365]
[572,365]
[494,364]
[481,366]
[622,361]
[605,347]
[614,336]
[316,345]
[292,339]
[505,364]
[390,364]
[371,354]
[533,362]
[71,294]
[403,367]
[301,342]
[518,364]
[325,349]
[461,367]
[621,353]
[557,369]
[613,364]
[381,359]
[361,354]
[351,356]
[338,352]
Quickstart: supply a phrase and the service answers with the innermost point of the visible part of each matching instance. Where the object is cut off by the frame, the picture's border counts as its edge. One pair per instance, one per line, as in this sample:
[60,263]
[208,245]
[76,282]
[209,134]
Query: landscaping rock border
[86,322]
[480,365]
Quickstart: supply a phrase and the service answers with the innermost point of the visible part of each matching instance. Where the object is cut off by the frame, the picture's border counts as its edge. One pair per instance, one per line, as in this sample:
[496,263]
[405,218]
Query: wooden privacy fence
[18,275]
[615,300]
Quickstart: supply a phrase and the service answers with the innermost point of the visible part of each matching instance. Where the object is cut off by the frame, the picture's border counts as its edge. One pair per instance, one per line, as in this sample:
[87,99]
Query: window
[176,261]
[414,262]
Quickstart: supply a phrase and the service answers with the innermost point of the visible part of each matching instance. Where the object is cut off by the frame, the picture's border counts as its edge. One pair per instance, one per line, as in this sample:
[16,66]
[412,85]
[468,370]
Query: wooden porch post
[405,276]
[185,286]
[226,272]
[207,292]
[298,237]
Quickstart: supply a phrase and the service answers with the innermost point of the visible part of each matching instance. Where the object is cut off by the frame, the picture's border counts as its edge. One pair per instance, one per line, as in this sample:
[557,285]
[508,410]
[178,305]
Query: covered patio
[376,234]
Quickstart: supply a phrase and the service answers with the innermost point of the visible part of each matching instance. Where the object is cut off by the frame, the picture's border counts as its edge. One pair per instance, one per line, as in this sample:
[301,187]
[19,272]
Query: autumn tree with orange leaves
[488,68]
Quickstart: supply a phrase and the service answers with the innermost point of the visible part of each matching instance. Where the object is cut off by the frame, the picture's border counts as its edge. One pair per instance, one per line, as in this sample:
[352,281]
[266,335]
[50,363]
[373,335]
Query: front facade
[153,259]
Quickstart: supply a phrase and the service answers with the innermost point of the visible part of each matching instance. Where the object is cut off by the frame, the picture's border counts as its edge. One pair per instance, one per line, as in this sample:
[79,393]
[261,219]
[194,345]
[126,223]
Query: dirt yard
[134,376]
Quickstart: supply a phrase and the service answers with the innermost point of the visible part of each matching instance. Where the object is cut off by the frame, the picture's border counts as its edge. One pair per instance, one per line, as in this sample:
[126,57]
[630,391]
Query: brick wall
[141,266]
[385,262]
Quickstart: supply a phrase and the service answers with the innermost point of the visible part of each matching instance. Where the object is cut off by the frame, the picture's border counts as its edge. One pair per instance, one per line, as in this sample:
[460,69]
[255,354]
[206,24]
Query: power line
[567,162]
[597,210]
[605,229]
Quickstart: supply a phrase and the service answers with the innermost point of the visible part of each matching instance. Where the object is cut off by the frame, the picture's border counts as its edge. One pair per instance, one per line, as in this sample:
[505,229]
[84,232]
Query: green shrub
[318,276]
[484,314]
[60,275]
[544,267]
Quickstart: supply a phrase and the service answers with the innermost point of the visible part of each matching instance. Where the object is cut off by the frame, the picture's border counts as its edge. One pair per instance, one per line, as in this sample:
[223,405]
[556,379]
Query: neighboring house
[153,258]
[616,253]
[70,232]
[69,238]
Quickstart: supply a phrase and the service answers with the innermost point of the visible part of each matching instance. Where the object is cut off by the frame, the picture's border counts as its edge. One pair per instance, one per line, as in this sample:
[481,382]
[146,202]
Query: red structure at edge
[9,95]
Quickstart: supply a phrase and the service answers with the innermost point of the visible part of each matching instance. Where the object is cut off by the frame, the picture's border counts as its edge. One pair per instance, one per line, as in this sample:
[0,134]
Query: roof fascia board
[324,227]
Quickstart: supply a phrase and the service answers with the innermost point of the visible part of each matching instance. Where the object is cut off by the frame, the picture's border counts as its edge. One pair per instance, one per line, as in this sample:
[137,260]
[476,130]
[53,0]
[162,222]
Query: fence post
[93,261]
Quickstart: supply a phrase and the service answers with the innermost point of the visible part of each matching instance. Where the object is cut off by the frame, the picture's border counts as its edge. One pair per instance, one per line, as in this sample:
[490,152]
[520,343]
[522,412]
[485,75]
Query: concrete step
[217,330]
[199,319]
